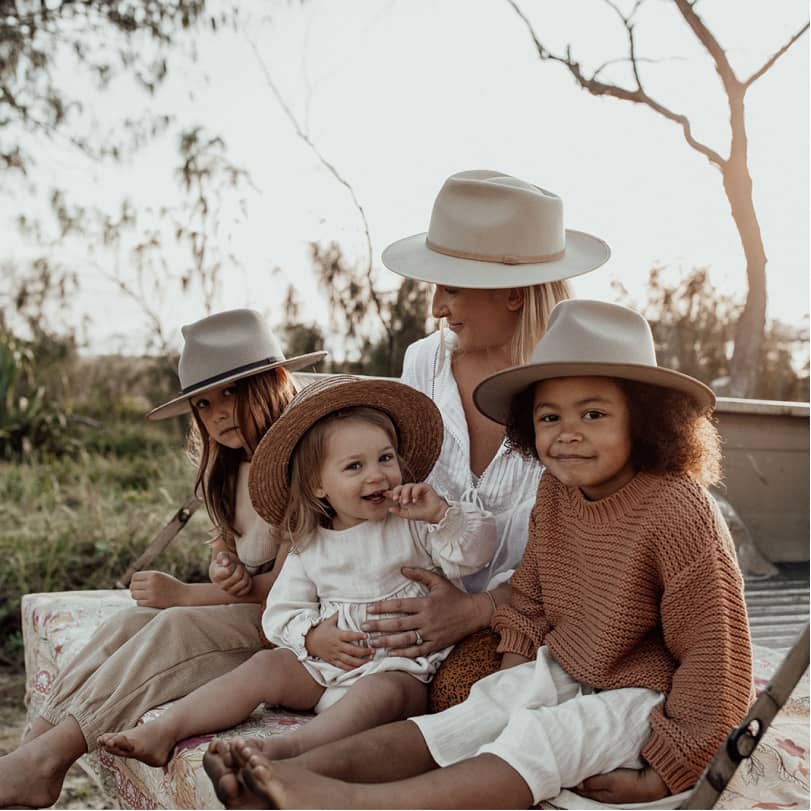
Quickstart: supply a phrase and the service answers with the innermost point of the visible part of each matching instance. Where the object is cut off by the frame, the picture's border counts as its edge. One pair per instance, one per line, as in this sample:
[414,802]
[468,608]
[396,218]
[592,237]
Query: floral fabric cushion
[57,625]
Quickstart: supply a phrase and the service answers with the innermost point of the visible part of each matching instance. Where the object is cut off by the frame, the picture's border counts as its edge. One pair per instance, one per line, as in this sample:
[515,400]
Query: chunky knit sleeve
[706,631]
[522,624]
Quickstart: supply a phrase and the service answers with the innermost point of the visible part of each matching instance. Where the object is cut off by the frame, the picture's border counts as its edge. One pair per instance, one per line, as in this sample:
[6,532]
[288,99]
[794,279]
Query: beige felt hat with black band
[223,348]
[588,339]
[490,230]
[416,419]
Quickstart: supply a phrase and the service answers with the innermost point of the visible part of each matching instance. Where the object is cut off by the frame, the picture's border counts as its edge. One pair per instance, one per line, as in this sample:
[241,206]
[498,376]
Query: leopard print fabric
[472,659]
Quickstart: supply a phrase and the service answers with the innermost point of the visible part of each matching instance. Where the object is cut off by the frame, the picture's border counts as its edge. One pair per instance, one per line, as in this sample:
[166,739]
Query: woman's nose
[439,307]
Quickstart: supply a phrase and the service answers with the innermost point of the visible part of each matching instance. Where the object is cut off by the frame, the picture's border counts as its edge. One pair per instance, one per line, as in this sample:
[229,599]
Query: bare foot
[30,778]
[224,775]
[283,785]
[150,743]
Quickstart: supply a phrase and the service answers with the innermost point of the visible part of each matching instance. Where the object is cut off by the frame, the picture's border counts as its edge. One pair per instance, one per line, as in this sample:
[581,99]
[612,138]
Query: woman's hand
[417,502]
[427,624]
[328,643]
[230,574]
[624,786]
[157,590]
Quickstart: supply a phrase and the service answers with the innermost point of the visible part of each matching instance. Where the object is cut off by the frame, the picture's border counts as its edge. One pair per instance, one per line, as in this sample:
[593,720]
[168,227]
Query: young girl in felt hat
[625,644]
[336,473]
[235,381]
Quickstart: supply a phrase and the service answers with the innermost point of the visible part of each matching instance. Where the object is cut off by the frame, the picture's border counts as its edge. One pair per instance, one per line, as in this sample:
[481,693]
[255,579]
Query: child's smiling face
[583,433]
[360,465]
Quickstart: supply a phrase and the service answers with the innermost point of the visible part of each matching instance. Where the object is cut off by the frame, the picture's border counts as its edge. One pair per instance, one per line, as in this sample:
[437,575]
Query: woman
[235,382]
[499,257]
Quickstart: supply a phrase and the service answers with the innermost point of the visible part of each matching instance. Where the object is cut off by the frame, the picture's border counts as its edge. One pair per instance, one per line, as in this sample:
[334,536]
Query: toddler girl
[625,644]
[331,473]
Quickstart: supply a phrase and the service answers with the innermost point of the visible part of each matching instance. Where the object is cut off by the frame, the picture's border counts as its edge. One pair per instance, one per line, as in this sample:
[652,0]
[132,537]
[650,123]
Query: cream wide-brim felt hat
[416,419]
[222,349]
[489,230]
[588,339]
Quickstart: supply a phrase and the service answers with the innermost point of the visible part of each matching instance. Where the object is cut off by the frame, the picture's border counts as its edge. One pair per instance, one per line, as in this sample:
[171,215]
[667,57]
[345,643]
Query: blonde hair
[539,301]
[306,512]
[260,400]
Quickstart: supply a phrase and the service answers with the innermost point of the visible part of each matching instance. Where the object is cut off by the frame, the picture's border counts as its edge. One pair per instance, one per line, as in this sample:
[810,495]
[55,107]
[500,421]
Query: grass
[77,522]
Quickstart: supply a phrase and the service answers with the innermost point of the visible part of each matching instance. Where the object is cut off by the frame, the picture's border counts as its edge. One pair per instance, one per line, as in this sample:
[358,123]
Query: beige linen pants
[142,657]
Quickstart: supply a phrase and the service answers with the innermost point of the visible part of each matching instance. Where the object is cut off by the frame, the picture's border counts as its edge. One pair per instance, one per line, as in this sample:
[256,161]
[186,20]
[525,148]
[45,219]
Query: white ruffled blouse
[508,485]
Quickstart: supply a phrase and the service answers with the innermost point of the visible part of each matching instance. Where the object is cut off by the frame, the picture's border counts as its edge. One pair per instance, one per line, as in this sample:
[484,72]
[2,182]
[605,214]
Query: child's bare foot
[224,775]
[150,743]
[30,779]
[283,785]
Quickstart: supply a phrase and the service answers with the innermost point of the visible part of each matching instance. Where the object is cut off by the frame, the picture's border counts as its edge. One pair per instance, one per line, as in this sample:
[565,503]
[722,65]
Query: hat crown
[481,213]
[223,343]
[583,331]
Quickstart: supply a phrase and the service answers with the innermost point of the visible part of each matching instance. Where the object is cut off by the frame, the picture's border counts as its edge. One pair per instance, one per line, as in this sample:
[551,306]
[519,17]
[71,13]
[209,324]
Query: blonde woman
[499,256]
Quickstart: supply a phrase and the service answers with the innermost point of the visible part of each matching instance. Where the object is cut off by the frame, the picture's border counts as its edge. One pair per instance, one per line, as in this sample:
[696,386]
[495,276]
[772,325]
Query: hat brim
[494,395]
[415,417]
[411,257]
[181,405]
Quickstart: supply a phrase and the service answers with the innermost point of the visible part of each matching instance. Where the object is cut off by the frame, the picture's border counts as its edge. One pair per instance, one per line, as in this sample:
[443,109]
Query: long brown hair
[305,511]
[260,400]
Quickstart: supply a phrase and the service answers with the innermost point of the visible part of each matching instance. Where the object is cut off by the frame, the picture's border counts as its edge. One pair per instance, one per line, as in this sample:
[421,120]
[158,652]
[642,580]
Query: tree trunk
[751,326]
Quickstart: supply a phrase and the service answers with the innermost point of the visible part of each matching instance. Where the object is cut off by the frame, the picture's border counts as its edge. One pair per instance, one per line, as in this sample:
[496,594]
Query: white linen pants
[552,730]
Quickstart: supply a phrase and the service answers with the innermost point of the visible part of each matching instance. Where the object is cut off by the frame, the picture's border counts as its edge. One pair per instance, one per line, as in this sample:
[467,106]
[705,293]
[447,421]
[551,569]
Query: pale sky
[398,94]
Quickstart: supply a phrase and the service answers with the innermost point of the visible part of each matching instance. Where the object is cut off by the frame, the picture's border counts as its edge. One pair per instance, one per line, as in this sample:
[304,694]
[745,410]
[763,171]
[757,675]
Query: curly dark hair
[670,432]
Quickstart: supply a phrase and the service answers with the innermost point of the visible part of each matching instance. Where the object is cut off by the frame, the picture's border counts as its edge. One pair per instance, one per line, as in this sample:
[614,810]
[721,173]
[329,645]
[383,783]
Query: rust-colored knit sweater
[640,589]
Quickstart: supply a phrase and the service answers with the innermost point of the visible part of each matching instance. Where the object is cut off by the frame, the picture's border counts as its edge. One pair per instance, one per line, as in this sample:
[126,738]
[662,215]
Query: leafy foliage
[375,339]
[30,425]
[693,326]
[104,37]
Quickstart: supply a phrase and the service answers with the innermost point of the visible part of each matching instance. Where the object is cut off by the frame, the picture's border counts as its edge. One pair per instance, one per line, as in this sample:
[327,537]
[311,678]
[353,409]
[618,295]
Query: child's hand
[229,573]
[624,786]
[157,590]
[328,643]
[417,502]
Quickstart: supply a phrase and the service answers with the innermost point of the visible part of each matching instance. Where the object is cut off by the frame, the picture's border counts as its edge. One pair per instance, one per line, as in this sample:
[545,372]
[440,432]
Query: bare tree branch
[769,62]
[337,175]
[707,39]
[638,96]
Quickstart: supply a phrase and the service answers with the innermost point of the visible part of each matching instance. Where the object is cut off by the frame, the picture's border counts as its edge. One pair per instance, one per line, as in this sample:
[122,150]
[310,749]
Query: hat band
[504,260]
[210,381]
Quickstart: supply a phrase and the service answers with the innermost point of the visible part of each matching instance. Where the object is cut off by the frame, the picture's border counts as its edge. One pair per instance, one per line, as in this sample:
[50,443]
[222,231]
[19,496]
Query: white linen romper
[345,571]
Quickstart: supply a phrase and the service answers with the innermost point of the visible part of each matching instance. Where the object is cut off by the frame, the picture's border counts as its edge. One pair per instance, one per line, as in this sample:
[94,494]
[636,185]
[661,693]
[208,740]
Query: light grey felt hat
[588,338]
[489,230]
[223,348]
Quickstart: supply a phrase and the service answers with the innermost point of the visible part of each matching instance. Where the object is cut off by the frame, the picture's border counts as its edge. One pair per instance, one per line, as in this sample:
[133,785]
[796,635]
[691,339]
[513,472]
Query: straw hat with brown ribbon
[416,419]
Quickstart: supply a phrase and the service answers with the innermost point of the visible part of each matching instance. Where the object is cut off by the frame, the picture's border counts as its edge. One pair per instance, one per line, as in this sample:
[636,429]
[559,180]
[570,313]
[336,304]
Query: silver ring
[419,639]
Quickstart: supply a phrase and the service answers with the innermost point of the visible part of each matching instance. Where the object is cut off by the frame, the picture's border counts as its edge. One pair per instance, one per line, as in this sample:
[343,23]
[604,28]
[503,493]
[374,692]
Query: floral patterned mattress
[57,625]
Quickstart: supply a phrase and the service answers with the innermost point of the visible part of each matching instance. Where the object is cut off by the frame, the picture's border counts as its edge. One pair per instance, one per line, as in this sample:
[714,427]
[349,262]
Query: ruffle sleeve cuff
[464,541]
[292,633]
